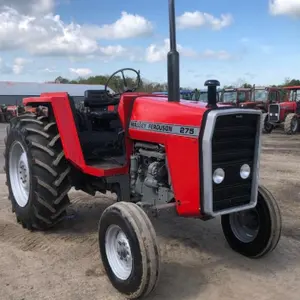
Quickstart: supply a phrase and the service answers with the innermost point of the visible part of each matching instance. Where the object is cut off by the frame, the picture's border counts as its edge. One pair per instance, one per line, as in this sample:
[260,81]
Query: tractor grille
[233,144]
[273,113]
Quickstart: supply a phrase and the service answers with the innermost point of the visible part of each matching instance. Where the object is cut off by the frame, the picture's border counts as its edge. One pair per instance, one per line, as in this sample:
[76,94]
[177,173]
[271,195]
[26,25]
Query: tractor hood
[160,110]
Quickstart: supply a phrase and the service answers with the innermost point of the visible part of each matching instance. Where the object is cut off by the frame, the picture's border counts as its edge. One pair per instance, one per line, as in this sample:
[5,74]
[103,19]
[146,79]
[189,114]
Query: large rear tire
[129,249]
[255,232]
[291,124]
[37,172]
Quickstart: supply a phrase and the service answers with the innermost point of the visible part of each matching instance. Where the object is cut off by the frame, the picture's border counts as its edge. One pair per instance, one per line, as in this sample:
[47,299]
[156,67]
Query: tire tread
[50,171]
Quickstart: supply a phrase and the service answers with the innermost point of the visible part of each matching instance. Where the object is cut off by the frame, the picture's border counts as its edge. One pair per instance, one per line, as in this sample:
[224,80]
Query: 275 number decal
[187,130]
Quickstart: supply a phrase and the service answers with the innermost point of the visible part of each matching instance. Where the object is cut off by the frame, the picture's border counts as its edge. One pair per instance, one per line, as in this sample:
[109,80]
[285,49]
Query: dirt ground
[197,262]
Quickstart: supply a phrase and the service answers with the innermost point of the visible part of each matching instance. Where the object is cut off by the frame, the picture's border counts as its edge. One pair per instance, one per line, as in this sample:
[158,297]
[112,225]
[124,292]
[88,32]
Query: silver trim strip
[166,128]
[207,200]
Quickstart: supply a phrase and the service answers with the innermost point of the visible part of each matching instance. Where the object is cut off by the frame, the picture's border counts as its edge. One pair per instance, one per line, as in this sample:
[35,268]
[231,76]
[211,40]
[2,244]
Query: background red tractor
[8,112]
[202,95]
[262,97]
[142,150]
[286,111]
[235,96]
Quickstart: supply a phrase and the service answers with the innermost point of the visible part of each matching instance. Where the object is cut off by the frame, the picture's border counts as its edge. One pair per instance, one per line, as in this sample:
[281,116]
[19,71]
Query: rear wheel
[37,172]
[291,124]
[129,249]
[254,232]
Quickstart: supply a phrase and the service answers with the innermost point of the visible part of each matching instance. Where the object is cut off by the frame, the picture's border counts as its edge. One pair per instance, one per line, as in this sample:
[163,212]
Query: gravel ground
[197,263]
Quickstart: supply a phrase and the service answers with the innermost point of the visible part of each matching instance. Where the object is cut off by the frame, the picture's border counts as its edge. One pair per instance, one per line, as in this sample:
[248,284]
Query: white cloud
[81,72]
[49,35]
[128,26]
[156,53]
[31,7]
[16,67]
[50,70]
[221,54]
[198,19]
[285,7]
[19,64]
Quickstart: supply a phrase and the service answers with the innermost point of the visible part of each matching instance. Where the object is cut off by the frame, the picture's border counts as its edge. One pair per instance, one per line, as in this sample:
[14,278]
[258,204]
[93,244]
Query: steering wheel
[125,86]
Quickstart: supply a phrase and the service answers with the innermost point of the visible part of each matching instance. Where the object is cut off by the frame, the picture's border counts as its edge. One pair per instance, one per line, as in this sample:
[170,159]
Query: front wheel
[291,124]
[267,127]
[254,232]
[129,249]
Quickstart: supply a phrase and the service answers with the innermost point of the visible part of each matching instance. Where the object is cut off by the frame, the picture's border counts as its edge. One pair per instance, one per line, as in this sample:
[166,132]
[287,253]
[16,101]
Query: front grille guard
[274,114]
[206,174]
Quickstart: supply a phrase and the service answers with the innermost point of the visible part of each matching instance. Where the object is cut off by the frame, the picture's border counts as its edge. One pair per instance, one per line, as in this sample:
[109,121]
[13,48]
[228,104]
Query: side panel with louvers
[233,144]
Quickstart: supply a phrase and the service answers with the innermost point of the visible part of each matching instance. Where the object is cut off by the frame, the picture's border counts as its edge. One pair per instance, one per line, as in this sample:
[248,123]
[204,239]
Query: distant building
[12,93]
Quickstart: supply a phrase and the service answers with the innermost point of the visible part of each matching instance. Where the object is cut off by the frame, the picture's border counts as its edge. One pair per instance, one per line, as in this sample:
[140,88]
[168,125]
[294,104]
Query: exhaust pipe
[212,92]
[173,58]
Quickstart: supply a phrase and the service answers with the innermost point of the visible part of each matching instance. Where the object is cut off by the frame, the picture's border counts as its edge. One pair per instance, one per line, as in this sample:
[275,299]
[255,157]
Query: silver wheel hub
[245,225]
[19,173]
[118,252]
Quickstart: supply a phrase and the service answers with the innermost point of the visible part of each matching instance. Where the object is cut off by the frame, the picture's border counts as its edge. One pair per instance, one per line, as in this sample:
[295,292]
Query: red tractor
[8,112]
[237,97]
[141,147]
[262,97]
[287,110]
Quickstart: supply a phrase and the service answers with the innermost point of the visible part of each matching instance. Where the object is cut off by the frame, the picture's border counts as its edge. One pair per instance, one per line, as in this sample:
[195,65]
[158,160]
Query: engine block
[149,176]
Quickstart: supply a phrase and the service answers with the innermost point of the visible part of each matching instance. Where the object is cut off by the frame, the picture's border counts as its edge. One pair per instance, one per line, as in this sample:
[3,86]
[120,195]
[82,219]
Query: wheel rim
[245,225]
[19,173]
[118,252]
[294,124]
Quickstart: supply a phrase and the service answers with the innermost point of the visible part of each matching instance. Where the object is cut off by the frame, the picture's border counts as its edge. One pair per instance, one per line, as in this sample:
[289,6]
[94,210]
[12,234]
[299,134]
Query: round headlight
[245,171]
[218,175]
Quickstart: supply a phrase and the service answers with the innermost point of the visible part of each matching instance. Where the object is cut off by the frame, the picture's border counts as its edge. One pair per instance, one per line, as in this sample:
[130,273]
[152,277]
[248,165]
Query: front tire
[36,171]
[129,249]
[291,124]
[255,232]
[266,126]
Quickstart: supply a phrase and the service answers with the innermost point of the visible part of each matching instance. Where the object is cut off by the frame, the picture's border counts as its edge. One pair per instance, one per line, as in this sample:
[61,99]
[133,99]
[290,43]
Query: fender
[286,108]
[64,116]
[64,111]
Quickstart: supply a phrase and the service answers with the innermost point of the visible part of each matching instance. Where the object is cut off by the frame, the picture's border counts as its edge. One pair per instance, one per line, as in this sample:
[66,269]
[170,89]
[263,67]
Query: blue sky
[230,40]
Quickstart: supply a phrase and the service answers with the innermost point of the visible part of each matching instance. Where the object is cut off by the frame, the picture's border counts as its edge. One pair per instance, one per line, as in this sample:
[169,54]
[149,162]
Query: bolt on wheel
[254,232]
[118,252]
[245,225]
[129,249]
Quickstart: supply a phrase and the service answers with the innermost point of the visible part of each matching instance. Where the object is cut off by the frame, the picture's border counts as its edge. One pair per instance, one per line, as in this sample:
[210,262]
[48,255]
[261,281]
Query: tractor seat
[98,99]
[104,115]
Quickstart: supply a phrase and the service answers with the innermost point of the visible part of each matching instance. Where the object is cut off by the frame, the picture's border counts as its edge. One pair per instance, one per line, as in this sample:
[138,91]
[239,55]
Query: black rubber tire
[288,124]
[2,118]
[8,116]
[266,126]
[269,231]
[49,171]
[136,225]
